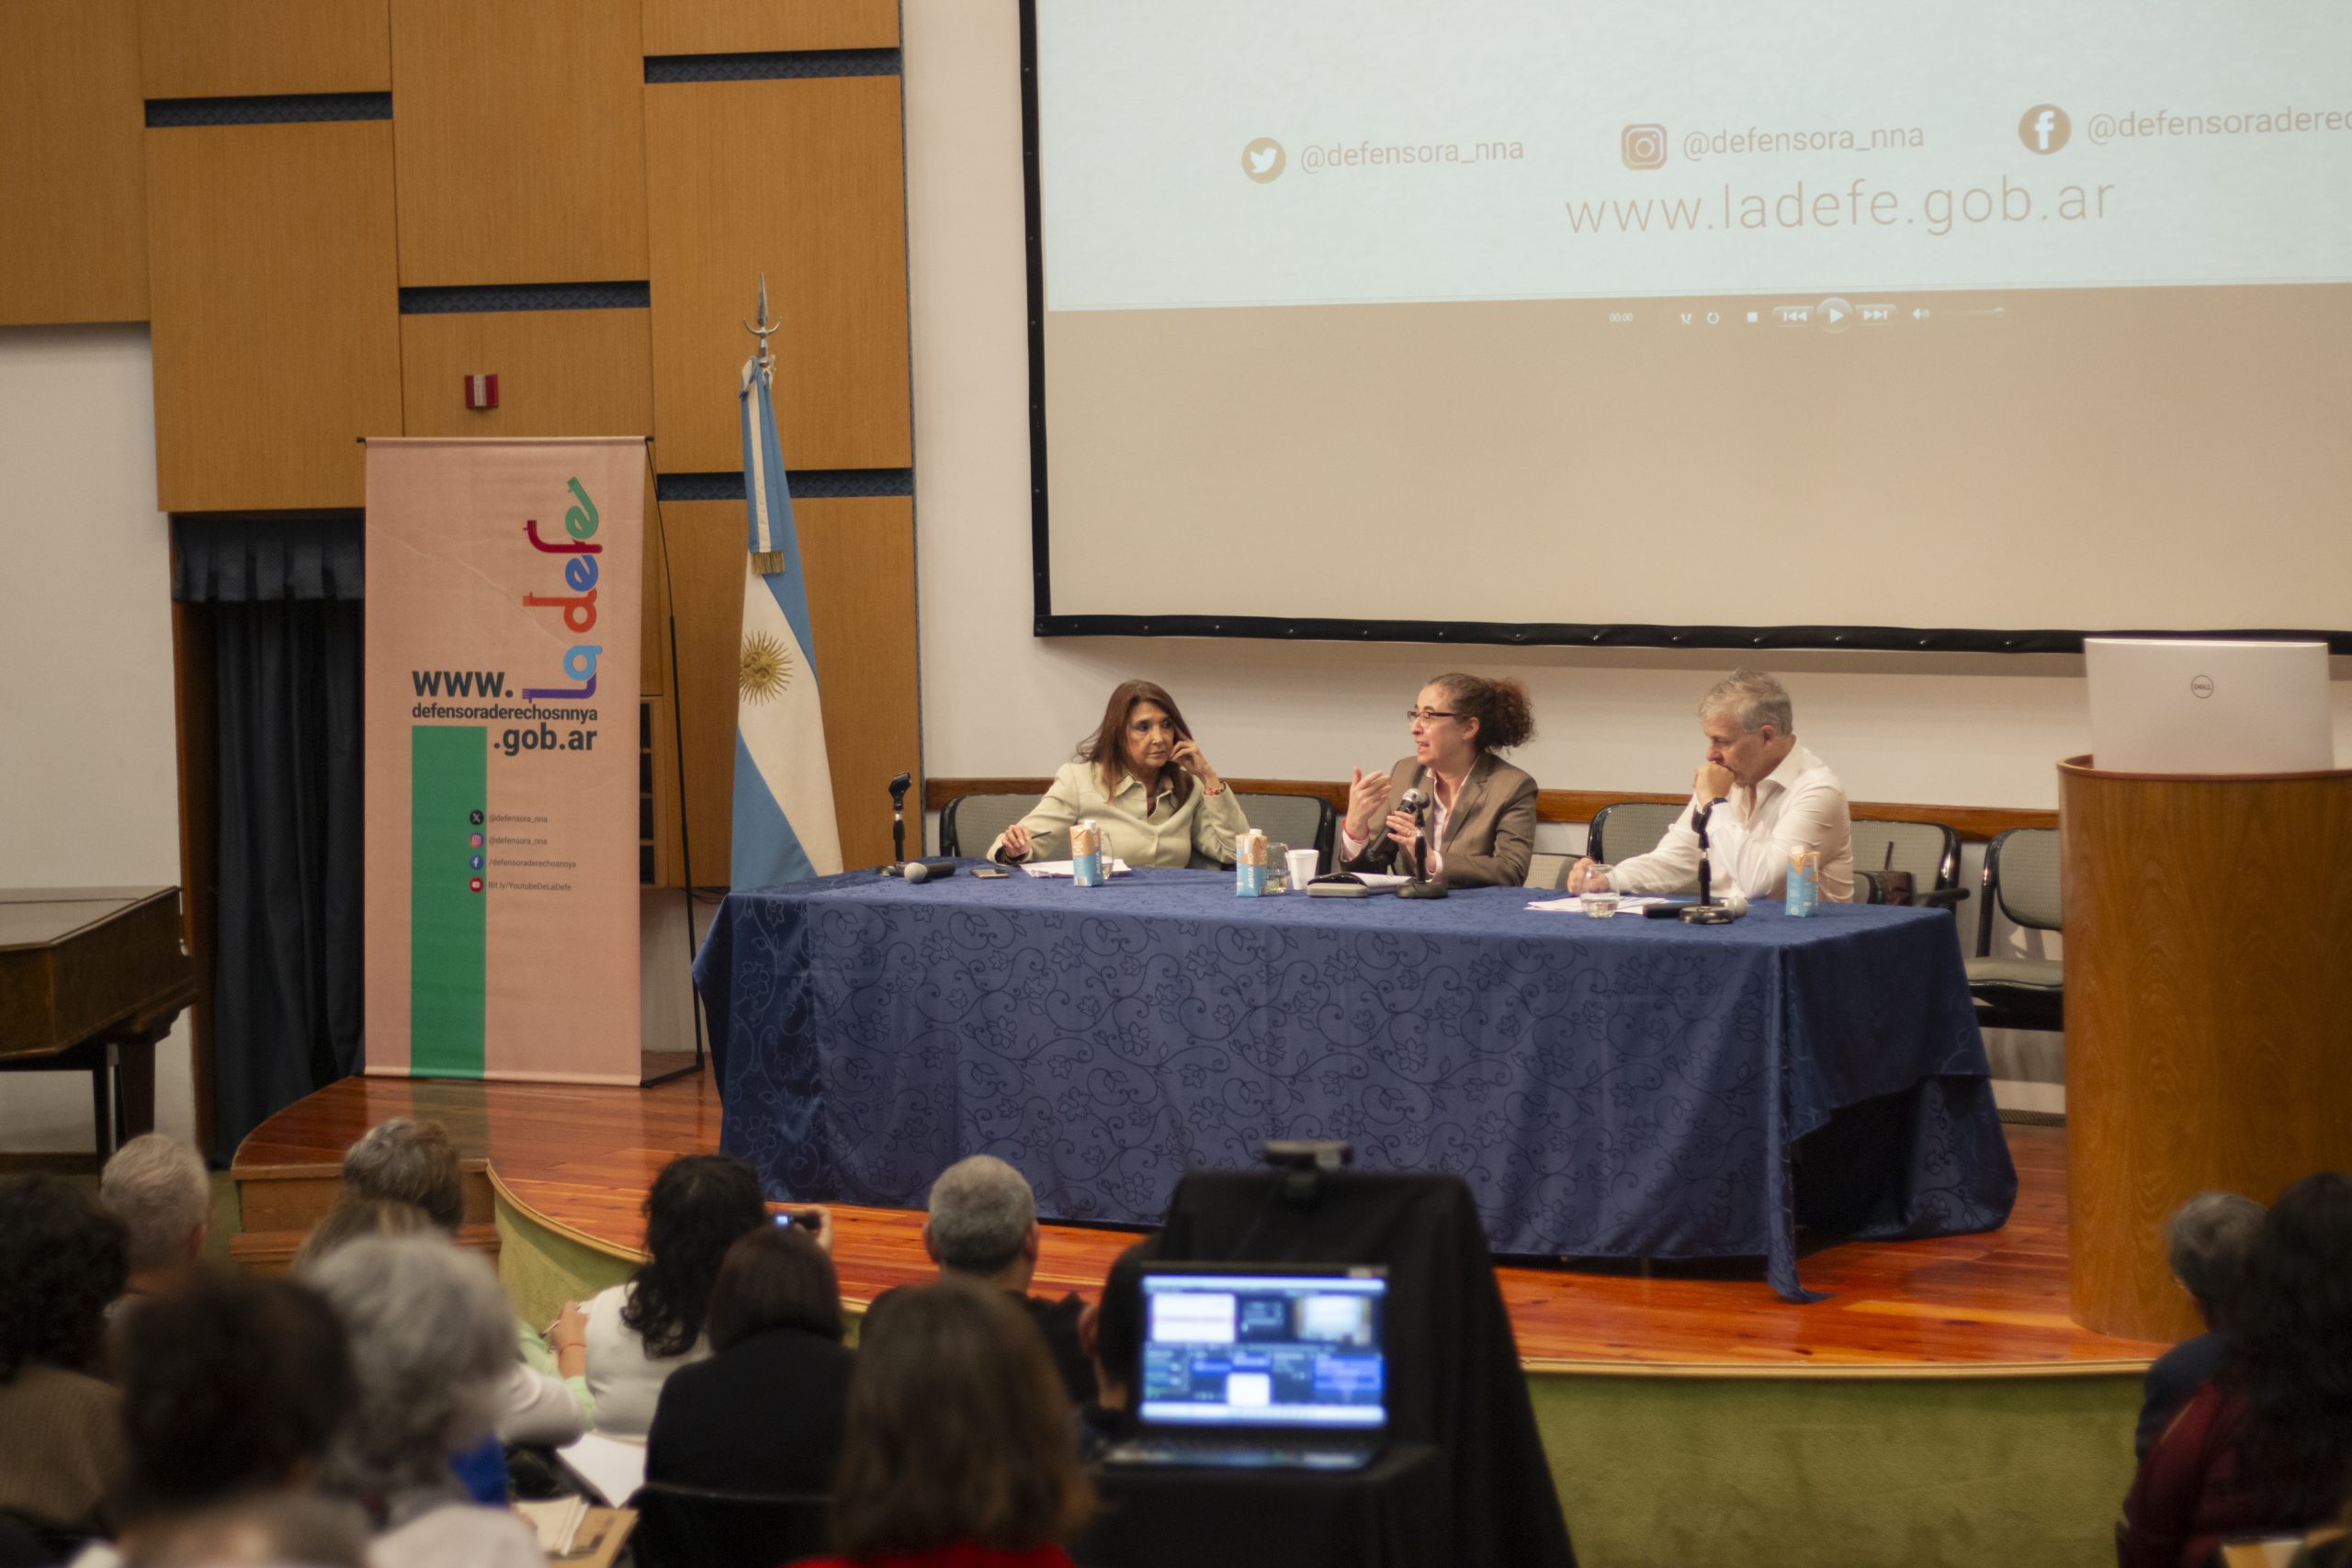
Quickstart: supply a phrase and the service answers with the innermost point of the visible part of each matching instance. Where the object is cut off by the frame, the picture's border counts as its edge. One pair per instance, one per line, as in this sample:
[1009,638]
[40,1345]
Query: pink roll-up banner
[504,598]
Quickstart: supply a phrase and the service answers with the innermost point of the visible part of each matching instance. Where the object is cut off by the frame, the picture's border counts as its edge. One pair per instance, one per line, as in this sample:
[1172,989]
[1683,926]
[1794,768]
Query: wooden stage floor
[579,1159]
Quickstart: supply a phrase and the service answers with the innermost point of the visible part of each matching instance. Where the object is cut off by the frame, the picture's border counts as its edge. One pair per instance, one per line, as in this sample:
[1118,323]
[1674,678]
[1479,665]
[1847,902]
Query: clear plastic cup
[1600,902]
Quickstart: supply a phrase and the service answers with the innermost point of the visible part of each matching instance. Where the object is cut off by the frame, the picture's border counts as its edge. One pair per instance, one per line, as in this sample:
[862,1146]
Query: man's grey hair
[1752,698]
[432,1345]
[411,1162]
[2207,1240]
[158,1187]
[981,1210]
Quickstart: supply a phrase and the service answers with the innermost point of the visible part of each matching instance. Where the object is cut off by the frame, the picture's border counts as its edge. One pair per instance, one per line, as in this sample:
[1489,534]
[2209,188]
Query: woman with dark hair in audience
[961,1446]
[640,1332]
[2267,1445]
[63,1260]
[1478,813]
[1145,780]
[234,1388]
[432,1341]
[765,1413]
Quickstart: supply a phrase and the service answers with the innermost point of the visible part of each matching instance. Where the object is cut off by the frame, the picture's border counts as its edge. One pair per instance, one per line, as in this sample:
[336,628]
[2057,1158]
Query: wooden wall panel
[216,48]
[73,200]
[276,329]
[858,554]
[521,141]
[560,372]
[759,26]
[828,228]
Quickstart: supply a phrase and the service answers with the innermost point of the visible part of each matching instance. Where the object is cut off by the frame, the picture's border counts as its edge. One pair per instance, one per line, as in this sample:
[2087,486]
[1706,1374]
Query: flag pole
[766,562]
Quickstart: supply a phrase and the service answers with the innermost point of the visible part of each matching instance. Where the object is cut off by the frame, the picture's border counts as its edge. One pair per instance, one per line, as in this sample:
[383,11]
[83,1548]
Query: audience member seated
[1112,1333]
[642,1331]
[63,1260]
[234,1389]
[262,1532]
[763,1415]
[959,1449]
[546,1399]
[2207,1238]
[1141,778]
[983,1225]
[2266,1447]
[432,1341]
[407,1162]
[159,1189]
[1479,820]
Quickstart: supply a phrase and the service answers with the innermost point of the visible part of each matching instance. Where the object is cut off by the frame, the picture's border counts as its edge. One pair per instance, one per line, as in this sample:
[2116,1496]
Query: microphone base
[1422,890]
[896,868]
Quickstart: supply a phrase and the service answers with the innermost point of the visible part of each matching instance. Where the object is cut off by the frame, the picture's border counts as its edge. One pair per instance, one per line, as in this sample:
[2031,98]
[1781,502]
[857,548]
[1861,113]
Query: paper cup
[1302,869]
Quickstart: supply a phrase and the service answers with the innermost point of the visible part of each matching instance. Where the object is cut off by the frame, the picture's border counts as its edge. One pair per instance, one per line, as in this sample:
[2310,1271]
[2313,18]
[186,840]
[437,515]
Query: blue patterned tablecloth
[1630,1089]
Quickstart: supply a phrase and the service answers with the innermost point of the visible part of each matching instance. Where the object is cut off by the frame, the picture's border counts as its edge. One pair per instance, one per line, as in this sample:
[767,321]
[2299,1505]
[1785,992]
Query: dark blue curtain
[283,599]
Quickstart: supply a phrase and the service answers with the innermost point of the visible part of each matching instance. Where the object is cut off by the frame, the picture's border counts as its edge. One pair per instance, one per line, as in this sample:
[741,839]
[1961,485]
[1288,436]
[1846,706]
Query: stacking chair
[2021,880]
[694,1527]
[1301,821]
[1928,851]
[1630,828]
[1548,872]
[970,823]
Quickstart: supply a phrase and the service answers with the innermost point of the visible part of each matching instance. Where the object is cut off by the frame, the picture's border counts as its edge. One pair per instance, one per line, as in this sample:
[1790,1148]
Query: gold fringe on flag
[767,563]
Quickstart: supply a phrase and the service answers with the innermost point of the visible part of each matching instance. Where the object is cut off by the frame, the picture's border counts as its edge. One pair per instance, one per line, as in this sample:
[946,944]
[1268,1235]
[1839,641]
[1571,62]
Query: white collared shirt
[1799,804]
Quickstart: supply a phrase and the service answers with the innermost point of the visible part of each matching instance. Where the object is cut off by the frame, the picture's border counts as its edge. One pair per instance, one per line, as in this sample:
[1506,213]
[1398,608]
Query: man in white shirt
[1774,797]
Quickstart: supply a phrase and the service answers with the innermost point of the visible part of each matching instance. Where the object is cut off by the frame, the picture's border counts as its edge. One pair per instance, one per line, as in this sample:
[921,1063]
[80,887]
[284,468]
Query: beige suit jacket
[1490,834]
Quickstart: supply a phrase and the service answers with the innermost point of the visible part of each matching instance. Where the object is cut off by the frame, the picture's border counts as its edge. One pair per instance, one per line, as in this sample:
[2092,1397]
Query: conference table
[1617,1089]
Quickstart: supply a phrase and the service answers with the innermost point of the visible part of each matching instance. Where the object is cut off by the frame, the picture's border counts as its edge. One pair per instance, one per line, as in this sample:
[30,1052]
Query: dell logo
[2202,686]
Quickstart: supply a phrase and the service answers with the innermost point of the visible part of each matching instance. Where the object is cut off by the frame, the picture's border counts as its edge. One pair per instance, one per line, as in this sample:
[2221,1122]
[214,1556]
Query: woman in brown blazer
[1480,811]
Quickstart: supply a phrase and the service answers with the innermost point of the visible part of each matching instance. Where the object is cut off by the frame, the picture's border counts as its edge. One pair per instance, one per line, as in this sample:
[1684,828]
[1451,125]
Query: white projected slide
[1522,313]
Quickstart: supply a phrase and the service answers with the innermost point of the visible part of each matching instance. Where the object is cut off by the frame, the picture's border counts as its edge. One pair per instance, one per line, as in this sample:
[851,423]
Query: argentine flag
[784,827]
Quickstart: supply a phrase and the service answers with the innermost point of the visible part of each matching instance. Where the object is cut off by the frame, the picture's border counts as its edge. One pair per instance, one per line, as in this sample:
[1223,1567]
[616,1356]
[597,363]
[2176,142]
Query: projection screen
[1784,324]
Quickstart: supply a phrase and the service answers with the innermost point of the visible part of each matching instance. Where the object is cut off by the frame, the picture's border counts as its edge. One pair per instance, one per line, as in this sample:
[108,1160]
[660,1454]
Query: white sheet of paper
[1068,868]
[614,1466]
[1627,902]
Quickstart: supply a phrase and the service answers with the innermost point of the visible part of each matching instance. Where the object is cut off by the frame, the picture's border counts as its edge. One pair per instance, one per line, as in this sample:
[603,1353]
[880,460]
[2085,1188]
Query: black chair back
[694,1527]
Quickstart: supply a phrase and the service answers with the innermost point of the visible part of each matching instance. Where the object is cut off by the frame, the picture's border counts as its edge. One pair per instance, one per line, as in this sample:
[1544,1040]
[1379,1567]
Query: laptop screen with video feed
[1264,1349]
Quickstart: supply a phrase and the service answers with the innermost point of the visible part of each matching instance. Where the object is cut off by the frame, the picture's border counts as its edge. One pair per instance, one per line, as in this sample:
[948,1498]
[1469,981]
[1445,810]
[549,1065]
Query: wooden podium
[2209,1012]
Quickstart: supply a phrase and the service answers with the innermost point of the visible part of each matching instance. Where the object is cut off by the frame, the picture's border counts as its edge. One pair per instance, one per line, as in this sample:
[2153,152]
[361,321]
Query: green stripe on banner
[448,920]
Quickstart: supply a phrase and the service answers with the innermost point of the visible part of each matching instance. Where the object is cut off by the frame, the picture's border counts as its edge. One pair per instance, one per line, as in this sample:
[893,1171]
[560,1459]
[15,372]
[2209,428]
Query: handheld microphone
[929,869]
[899,787]
[1412,804]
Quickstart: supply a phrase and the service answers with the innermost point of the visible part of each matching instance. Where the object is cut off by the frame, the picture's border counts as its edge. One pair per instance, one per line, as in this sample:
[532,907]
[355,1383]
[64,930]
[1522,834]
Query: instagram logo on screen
[2044,128]
[1643,146]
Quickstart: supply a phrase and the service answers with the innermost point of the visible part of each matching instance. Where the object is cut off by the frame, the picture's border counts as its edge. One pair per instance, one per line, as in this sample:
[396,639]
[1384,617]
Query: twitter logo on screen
[1263,160]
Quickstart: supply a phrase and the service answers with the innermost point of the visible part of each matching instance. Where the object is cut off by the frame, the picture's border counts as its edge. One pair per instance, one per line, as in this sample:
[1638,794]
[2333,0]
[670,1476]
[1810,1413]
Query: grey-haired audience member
[2206,1240]
[159,1189]
[983,1226]
[432,1344]
[413,1162]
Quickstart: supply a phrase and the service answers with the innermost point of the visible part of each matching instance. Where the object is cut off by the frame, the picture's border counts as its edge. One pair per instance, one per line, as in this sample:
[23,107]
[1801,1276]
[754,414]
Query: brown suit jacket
[1490,834]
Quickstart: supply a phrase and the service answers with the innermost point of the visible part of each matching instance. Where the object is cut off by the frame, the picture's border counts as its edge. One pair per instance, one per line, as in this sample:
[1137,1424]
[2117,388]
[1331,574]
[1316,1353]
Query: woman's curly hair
[699,1206]
[2291,1349]
[63,1258]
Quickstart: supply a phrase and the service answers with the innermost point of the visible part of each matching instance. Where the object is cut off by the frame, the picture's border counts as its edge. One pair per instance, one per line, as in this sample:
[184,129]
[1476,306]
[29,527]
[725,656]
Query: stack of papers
[1627,902]
[611,1468]
[556,1520]
[1068,868]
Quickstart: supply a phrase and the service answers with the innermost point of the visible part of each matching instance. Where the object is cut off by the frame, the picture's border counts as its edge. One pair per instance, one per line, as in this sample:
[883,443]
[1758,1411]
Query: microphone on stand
[899,787]
[1706,912]
[1413,804]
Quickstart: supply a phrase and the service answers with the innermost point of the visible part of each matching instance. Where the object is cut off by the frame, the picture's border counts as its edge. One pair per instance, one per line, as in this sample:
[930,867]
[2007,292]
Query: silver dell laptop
[1281,1366]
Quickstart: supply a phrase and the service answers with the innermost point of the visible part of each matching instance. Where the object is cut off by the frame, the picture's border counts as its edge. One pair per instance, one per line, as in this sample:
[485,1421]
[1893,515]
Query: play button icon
[1834,315]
